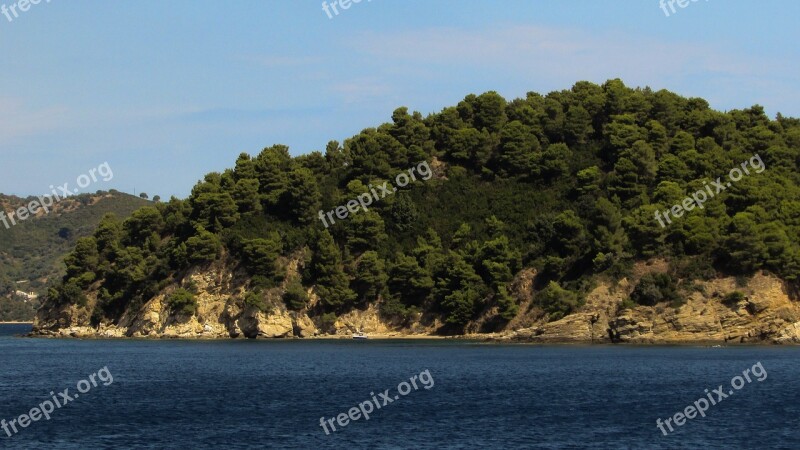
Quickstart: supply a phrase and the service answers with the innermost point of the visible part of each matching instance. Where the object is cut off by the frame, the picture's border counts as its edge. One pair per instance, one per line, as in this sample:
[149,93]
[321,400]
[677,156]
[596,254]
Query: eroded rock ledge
[766,314]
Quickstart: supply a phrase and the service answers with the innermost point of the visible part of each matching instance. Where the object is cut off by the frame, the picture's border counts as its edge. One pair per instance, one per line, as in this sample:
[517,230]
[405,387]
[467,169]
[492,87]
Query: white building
[26,296]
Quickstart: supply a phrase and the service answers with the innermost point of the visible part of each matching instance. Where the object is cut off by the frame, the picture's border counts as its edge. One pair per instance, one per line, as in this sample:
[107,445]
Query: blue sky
[166,91]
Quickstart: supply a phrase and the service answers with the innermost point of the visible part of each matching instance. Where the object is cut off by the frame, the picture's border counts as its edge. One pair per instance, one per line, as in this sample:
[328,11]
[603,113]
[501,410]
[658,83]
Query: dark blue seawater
[272,394]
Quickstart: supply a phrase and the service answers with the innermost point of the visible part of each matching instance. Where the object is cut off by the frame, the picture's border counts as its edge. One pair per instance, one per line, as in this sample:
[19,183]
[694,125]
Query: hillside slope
[31,252]
[491,216]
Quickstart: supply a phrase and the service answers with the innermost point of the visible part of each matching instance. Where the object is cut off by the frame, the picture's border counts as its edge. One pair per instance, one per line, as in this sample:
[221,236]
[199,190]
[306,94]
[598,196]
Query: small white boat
[360,335]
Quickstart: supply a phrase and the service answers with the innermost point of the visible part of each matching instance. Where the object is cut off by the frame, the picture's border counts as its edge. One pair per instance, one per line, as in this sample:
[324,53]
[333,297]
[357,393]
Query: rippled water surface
[272,394]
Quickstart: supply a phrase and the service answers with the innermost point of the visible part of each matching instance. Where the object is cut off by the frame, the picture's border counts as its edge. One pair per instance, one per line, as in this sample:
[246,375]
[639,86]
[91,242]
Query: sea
[393,394]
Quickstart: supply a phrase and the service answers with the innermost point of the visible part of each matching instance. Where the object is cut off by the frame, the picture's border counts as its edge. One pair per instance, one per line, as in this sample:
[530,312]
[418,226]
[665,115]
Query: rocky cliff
[765,313]
[220,314]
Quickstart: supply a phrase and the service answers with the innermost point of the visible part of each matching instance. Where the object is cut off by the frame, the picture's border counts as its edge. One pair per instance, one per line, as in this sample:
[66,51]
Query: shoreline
[16,323]
[473,338]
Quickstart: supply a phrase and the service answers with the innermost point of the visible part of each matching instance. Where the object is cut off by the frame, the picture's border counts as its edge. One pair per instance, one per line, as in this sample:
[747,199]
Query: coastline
[16,323]
[475,338]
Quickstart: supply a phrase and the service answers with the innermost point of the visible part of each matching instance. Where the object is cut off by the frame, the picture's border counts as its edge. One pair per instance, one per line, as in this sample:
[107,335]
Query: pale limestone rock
[766,314]
[790,334]
[368,321]
[578,327]
[275,325]
[303,326]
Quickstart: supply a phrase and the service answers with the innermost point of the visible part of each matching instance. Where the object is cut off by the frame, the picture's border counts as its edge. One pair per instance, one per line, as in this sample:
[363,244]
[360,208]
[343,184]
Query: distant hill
[31,252]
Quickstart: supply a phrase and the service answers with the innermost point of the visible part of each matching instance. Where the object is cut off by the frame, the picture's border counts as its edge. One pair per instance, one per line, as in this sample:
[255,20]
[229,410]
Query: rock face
[367,321]
[220,314]
[765,313]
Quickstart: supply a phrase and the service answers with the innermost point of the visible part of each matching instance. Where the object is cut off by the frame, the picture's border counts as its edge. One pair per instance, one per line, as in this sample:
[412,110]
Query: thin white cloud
[18,120]
[278,61]
[558,57]
[363,90]
[556,51]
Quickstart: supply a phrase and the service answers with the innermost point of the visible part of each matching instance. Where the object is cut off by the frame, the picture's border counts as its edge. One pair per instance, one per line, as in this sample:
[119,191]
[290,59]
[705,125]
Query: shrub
[86,279]
[627,303]
[507,303]
[326,322]
[733,298]
[203,247]
[460,306]
[261,258]
[295,296]
[72,294]
[694,268]
[557,301]
[256,300]
[655,288]
[182,302]
[392,308]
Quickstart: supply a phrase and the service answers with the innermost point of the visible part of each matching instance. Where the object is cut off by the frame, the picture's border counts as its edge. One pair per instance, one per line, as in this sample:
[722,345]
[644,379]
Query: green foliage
[508,305]
[403,213]
[655,288]
[326,322]
[733,298]
[393,309]
[13,310]
[182,302]
[365,230]
[84,258]
[328,273]
[261,258]
[302,195]
[142,224]
[488,111]
[203,247]
[459,290]
[519,150]
[627,303]
[295,297]
[460,305]
[212,208]
[498,261]
[556,301]
[32,250]
[255,299]
[411,282]
[370,277]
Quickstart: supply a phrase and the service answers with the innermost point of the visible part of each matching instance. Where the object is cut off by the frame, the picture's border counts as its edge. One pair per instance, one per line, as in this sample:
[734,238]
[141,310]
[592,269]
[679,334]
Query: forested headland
[565,186]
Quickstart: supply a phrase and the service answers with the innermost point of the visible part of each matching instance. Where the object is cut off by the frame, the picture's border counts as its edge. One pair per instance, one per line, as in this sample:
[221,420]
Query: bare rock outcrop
[763,312]
[368,321]
[766,313]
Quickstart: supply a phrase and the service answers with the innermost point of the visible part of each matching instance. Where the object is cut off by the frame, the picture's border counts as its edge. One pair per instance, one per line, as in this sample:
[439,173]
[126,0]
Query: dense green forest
[568,184]
[33,250]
